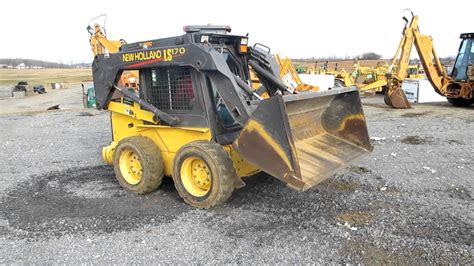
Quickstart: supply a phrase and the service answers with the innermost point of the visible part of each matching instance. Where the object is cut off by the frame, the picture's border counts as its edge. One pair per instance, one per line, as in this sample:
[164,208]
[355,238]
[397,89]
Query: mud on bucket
[305,138]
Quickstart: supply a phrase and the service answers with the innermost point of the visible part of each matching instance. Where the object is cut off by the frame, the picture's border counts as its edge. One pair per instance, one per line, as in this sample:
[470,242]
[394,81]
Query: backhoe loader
[196,118]
[458,87]
[100,44]
[361,77]
[287,73]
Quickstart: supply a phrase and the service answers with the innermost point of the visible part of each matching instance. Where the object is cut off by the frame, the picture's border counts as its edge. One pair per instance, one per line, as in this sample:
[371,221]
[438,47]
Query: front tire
[138,165]
[204,174]
[460,102]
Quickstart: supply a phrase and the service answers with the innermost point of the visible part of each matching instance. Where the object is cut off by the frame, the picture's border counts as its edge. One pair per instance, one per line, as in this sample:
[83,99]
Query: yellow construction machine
[415,72]
[373,78]
[291,77]
[364,78]
[342,78]
[458,87]
[100,44]
[196,118]
[287,73]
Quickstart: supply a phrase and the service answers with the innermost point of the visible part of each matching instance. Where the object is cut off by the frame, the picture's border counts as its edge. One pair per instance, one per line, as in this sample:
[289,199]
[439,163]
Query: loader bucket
[302,139]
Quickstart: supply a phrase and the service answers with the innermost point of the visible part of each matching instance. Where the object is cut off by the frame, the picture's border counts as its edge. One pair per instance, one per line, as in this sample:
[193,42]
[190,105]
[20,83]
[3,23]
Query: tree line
[40,63]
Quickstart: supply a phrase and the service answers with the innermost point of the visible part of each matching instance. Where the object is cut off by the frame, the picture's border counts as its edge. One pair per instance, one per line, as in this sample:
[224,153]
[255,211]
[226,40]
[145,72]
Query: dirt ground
[67,98]
[409,202]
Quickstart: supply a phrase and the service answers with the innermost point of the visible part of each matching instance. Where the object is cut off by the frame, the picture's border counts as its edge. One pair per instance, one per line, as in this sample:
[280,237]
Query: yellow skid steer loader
[196,118]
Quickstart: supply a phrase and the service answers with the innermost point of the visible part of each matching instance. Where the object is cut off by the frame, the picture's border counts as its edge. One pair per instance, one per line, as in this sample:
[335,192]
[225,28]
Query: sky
[56,30]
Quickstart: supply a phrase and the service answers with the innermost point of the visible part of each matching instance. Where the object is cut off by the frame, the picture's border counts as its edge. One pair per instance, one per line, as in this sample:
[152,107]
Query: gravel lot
[410,201]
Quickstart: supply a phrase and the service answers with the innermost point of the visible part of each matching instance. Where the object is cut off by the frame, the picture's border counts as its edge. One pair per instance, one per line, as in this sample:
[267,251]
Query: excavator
[457,87]
[196,118]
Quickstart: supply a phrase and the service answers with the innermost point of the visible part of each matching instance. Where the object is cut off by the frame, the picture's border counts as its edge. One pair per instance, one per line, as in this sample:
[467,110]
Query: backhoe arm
[99,42]
[395,96]
[435,72]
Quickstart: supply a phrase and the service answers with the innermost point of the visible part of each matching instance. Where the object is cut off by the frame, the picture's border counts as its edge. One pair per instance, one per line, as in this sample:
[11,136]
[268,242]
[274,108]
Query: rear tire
[138,165]
[460,102]
[339,83]
[204,174]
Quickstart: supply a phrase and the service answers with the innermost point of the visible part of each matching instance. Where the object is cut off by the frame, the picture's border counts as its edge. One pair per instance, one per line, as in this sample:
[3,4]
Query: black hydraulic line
[159,115]
[246,88]
[257,56]
[274,80]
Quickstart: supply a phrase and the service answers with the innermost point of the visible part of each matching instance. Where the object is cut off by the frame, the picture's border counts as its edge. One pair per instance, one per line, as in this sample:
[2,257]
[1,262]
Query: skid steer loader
[196,118]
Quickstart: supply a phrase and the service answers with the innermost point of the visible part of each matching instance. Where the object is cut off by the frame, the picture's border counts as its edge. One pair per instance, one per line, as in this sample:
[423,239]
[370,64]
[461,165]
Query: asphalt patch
[409,115]
[460,193]
[359,169]
[417,140]
[368,253]
[454,141]
[436,226]
[85,114]
[85,200]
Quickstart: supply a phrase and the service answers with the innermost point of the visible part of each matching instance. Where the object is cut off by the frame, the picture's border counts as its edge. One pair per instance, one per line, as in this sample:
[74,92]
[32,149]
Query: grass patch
[9,77]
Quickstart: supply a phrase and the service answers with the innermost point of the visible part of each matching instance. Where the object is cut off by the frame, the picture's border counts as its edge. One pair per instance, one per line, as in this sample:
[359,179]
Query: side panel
[168,139]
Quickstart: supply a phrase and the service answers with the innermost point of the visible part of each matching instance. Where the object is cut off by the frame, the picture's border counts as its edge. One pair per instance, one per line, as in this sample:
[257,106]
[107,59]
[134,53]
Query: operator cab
[182,90]
[463,67]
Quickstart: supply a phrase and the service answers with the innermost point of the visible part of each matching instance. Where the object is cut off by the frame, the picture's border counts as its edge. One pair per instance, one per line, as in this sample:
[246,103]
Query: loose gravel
[410,201]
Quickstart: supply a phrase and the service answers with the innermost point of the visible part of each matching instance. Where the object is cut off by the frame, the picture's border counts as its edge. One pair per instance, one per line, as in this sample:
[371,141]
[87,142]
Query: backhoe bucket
[396,98]
[302,139]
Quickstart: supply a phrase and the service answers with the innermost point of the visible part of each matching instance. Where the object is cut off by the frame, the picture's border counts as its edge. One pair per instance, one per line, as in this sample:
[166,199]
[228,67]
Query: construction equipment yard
[410,201]
[306,140]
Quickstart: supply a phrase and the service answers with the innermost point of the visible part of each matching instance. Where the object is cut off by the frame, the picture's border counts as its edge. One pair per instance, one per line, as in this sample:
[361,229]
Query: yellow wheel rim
[130,167]
[196,176]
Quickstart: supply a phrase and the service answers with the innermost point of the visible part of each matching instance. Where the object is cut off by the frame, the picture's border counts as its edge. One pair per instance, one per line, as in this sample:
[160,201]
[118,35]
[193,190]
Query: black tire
[223,175]
[460,102]
[150,159]
[339,83]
